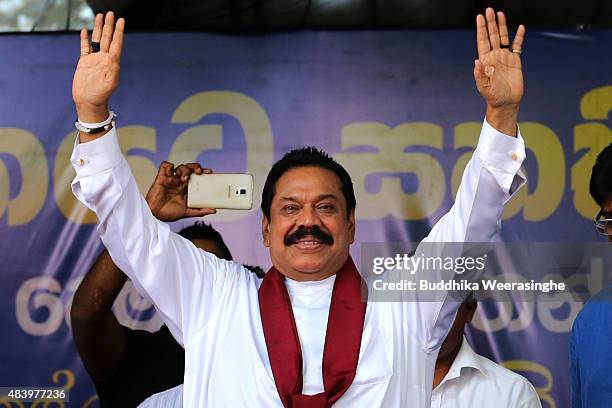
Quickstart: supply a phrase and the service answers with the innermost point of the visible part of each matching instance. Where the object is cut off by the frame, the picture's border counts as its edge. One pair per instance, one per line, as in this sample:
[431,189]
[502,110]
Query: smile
[308,243]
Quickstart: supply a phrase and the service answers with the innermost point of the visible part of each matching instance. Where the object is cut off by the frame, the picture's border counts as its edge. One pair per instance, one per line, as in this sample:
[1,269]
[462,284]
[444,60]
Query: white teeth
[309,243]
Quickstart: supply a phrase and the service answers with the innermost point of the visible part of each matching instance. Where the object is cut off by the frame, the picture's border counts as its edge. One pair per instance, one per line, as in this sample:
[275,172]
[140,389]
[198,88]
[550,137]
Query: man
[301,337]
[465,379]
[127,365]
[590,359]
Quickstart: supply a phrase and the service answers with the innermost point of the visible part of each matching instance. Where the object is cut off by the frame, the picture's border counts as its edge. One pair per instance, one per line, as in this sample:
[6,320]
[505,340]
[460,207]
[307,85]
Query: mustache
[313,231]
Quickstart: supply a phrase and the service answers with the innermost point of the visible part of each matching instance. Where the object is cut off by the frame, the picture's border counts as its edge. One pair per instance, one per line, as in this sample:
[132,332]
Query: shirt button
[514,156]
[81,161]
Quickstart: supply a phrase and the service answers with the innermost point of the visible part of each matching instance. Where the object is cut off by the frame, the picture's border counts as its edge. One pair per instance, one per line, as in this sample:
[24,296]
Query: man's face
[308,233]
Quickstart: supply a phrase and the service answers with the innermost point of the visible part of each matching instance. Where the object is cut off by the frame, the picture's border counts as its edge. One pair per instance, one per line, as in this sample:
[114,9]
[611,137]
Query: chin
[308,267]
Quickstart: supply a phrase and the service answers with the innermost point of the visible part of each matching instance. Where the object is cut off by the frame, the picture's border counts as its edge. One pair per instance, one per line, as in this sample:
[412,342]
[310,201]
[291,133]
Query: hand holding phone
[220,191]
[167,197]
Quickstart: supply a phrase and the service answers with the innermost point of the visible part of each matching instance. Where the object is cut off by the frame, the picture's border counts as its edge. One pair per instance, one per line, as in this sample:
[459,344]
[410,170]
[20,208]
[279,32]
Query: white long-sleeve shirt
[474,381]
[211,306]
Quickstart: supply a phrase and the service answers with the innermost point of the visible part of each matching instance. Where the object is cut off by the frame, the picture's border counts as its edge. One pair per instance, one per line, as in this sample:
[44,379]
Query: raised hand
[498,70]
[97,73]
[167,197]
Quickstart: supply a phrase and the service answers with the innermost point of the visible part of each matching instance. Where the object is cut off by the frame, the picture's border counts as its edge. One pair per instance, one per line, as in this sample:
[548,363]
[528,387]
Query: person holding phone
[114,355]
[302,336]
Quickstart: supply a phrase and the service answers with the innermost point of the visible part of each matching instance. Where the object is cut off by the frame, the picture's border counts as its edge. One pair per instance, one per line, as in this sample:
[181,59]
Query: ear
[265,230]
[351,221]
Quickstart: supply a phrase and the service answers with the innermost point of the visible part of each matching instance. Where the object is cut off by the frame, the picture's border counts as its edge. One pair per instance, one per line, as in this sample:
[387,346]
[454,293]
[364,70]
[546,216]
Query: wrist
[92,113]
[504,119]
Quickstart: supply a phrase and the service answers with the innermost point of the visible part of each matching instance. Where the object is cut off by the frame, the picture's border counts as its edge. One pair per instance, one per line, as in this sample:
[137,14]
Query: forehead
[308,182]
[209,246]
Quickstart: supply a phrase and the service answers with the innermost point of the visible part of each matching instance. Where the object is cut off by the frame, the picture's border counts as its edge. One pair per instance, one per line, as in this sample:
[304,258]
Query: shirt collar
[465,359]
[310,287]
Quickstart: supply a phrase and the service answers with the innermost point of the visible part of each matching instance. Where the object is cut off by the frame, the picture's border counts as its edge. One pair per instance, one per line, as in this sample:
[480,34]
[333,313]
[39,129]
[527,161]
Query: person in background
[117,358]
[590,356]
[464,379]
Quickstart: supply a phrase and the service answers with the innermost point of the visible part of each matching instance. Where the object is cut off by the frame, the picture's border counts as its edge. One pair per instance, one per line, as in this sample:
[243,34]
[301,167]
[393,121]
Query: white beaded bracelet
[93,128]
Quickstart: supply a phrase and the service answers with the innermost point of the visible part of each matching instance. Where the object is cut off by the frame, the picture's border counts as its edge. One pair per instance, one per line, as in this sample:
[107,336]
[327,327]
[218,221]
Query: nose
[309,217]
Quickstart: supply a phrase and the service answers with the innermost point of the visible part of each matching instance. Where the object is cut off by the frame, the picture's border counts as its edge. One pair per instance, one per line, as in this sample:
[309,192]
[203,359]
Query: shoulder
[225,269]
[519,388]
[600,303]
[602,299]
[234,278]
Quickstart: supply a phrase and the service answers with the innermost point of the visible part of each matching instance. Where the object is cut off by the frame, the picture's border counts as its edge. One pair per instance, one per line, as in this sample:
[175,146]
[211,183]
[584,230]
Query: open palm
[97,74]
[498,71]
[95,79]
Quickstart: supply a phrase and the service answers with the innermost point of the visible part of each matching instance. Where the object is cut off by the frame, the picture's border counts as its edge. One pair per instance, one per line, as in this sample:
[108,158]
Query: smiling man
[302,336]
[311,199]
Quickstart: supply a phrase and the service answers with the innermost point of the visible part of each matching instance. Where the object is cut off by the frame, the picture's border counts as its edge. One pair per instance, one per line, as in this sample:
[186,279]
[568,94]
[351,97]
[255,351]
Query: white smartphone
[221,191]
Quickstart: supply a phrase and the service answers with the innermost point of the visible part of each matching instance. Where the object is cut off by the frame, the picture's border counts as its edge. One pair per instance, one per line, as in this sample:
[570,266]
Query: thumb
[482,80]
[479,71]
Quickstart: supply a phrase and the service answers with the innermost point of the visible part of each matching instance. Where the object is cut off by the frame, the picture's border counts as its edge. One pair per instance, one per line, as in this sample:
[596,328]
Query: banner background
[398,109]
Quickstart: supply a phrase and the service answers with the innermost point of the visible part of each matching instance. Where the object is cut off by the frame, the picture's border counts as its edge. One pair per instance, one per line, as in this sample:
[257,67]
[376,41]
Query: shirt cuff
[503,155]
[96,156]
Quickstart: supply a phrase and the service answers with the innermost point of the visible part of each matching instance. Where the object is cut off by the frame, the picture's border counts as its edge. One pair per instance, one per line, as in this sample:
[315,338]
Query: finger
[165,169]
[519,37]
[117,43]
[479,74]
[492,28]
[84,41]
[107,31]
[183,172]
[482,38]
[196,167]
[503,29]
[199,212]
[97,31]
[172,182]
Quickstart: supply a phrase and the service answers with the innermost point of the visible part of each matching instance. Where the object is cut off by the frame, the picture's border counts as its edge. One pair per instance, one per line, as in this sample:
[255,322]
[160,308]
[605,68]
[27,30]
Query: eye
[326,207]
[290,208]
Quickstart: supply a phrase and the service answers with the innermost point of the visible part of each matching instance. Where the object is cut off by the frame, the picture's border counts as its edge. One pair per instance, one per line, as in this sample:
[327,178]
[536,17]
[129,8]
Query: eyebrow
[319,198]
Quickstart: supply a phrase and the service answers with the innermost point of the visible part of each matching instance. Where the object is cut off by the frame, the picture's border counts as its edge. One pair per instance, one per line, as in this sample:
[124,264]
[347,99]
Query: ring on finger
[507,46]
[95,46]
[519,52]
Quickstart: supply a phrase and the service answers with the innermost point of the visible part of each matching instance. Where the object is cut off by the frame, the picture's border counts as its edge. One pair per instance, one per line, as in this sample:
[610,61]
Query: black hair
[201,230]
[600,185]
[306,157]
[257,270]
